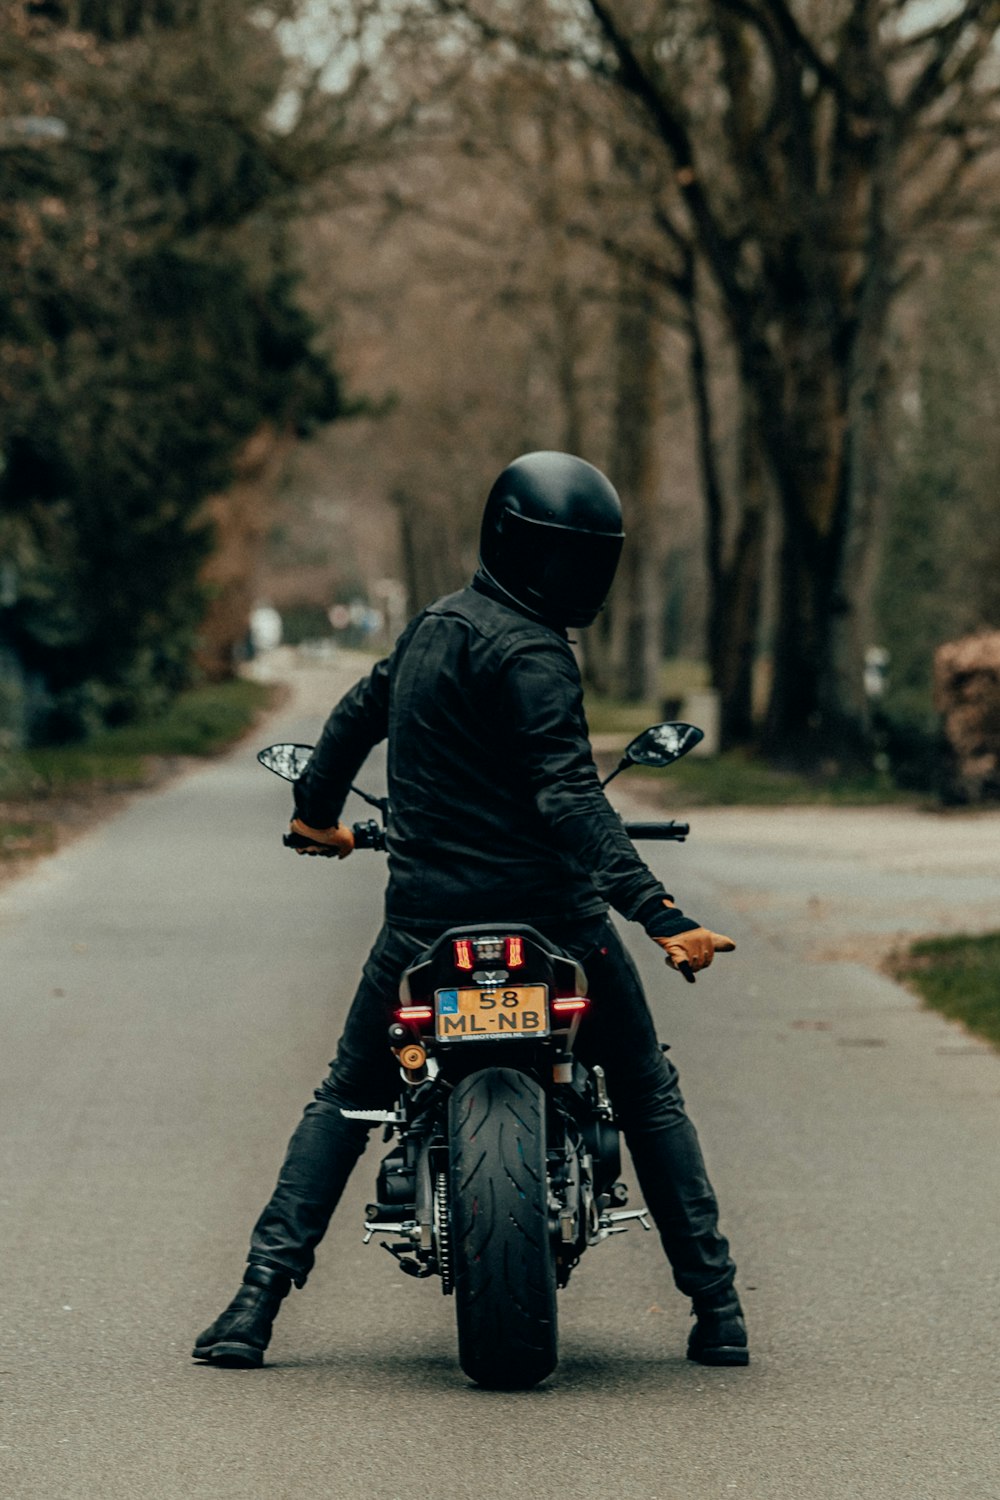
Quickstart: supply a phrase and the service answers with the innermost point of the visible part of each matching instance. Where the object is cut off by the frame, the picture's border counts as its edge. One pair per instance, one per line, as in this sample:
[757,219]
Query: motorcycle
[505,1157]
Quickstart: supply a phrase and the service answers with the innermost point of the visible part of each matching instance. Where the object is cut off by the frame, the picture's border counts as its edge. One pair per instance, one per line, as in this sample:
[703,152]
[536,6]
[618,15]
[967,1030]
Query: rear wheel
[502,1253]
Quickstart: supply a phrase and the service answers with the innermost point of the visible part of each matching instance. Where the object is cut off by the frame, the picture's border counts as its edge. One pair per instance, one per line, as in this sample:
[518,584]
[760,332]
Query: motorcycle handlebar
[672,830]
[369,835]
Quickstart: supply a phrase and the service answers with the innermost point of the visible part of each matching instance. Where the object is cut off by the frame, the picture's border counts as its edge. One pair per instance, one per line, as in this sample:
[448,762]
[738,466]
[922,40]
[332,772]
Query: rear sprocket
[442,1233]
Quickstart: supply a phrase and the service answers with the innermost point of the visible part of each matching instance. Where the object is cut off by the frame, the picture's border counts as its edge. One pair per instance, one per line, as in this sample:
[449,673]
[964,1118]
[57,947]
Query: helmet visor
[567,573]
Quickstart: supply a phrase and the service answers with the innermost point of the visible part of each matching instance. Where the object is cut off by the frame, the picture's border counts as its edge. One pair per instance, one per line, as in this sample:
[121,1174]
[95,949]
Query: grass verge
[737,779]
[48,791]
[958,976]
[610,716]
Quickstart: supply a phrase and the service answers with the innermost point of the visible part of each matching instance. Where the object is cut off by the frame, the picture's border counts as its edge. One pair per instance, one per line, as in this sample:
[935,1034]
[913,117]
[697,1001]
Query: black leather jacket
[496,808]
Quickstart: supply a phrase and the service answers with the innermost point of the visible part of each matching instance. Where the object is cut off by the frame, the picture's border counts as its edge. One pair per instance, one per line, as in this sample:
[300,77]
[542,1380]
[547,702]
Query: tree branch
[665,114]
[653,271]
[527,45]
[798,44]
[935,77]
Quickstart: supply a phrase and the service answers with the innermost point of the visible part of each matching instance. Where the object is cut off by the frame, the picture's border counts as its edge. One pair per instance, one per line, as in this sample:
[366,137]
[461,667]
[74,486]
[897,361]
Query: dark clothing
[618,1033]
[497,813]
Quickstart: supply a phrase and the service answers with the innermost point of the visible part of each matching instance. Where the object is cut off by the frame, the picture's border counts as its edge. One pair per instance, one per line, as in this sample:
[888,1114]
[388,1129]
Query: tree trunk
[735,618]
[794,722]
[734,583]
[808,454]
[431,564]
[635,628]
[821,404]
[870,381]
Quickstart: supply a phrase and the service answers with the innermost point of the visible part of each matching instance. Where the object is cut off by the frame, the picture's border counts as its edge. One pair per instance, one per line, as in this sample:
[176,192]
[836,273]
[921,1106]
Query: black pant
[618,1033]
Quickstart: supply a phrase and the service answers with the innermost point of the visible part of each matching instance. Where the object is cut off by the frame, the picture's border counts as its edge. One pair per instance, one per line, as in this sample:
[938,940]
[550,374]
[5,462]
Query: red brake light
[569,1005]
[514,958]
[415,1014]
[463,953]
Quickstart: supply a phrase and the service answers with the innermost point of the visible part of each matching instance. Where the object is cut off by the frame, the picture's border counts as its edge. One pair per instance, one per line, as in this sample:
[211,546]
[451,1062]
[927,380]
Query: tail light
[415,1015]
[514,952]
[470,951]
[463,953]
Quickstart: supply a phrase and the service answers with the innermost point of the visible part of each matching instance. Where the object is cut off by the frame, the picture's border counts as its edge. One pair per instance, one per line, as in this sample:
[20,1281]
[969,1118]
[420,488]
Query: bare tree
[476,325]
[815,145]
[811,149]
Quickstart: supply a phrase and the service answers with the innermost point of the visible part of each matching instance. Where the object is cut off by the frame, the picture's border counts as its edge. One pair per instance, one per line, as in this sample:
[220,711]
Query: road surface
[172,988]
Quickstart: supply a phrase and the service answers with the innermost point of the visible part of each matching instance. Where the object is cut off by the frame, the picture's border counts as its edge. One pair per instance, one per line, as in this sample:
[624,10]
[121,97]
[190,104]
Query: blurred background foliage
[941,565]
[742,255]
[149,327]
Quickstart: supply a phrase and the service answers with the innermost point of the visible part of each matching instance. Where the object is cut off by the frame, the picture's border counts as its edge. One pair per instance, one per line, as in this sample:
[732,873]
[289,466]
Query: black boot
[719,1337]
[239,1336]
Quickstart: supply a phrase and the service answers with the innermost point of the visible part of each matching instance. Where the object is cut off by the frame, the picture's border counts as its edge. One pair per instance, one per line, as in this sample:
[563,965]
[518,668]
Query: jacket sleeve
[358,723]
[544,708]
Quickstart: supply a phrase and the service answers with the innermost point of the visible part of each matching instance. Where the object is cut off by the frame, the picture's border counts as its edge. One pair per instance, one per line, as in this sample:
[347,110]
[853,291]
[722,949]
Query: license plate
[517,1010]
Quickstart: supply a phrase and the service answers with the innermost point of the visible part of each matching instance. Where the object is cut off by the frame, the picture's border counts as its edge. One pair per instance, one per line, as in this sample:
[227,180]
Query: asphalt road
[171,988]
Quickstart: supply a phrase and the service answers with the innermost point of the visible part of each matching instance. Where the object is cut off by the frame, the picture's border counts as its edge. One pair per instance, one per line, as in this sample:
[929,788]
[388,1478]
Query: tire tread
[505,1287]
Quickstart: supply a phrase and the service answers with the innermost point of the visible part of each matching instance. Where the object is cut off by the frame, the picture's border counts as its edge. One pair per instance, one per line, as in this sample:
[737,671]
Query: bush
[150,327]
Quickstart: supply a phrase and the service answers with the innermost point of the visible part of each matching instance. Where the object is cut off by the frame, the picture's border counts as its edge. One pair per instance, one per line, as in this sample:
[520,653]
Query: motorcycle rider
[497,811]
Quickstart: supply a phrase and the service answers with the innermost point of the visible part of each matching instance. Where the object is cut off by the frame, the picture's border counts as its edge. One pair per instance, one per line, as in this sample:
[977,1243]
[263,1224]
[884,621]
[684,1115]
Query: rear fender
[544,963]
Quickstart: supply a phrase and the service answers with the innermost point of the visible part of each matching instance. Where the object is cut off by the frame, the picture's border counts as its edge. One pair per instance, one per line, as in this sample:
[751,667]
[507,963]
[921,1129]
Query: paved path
[172,986]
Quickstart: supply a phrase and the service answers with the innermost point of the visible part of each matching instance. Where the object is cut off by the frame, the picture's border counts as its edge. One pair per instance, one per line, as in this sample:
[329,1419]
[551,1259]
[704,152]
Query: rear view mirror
[662,744]
[288,761]
[658,746]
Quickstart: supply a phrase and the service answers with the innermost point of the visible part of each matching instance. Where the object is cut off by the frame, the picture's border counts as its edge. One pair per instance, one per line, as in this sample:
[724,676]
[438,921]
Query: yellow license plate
[514,1010]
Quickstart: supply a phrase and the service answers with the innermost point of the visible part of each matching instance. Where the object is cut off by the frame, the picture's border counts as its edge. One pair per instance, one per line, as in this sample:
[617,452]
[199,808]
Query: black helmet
[552,536]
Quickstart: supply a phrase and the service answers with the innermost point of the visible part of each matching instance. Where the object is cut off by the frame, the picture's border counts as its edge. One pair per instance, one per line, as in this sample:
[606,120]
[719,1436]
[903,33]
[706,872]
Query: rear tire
[504,1265]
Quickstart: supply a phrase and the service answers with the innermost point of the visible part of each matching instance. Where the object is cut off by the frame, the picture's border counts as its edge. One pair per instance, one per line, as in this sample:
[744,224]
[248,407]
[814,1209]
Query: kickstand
[409,1263]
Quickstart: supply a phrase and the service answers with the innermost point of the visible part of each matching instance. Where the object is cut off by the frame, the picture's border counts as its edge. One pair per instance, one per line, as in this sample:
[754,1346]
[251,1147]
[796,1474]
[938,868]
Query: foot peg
[616,1221]
[409,1263]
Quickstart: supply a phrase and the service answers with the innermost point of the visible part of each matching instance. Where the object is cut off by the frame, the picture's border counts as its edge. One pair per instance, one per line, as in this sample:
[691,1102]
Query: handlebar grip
[672,830]
[299,841]
[367,835]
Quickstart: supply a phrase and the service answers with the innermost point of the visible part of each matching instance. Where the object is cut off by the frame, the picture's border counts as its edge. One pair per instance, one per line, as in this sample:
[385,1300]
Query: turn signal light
[412,1056]
[569,1006]
[416,1015]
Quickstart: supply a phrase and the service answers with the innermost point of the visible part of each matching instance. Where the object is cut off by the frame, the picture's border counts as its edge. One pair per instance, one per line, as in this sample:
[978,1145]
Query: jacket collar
[482,583]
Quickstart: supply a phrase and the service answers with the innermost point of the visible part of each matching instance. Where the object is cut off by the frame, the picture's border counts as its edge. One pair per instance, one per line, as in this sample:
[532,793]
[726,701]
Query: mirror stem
[382,803]
[617,770]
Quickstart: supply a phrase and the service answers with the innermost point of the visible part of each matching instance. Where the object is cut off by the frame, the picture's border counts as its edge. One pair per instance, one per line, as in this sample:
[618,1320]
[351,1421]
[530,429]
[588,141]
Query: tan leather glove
[696,948]
[687,952]
[337,841]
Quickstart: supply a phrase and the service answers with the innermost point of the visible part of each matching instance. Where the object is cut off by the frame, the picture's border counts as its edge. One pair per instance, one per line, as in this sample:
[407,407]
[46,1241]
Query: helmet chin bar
[521,605]
[555,622]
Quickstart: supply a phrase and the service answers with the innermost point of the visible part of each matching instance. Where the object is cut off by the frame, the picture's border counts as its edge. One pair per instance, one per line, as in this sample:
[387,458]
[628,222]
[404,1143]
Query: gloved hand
[687,952]
[336,841]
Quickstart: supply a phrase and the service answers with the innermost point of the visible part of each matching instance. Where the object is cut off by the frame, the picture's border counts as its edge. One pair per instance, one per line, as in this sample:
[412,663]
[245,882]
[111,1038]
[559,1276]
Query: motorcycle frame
[583,1143]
